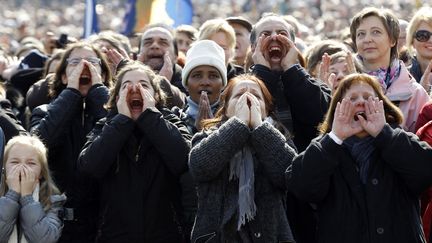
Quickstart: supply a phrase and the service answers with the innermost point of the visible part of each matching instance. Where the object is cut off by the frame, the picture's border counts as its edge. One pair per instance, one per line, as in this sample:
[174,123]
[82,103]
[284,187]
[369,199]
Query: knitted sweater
[218,196]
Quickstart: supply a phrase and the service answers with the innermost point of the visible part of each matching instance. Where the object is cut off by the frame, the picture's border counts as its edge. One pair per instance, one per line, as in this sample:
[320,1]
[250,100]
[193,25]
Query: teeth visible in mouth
[274,48]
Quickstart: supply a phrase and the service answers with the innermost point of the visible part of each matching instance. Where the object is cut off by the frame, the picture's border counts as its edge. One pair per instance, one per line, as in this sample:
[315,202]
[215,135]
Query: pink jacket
[410,95]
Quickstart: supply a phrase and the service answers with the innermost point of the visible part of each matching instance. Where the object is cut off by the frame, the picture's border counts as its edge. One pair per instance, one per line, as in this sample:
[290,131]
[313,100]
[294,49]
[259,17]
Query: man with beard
[301,101]
[157,51]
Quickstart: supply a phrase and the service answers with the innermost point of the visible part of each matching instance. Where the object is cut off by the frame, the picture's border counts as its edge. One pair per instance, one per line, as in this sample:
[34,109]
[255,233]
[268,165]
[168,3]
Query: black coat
[8,121]
[305,98]
[385,209]
[138,164]
[233,70]
[415,69]
[63,126]
[301,104]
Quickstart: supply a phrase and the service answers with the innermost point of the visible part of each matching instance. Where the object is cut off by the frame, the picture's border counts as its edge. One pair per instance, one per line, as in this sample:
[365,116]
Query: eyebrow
[141,81]
[373,27]
[277,30]
[255,92]
[242,89]
[155,38]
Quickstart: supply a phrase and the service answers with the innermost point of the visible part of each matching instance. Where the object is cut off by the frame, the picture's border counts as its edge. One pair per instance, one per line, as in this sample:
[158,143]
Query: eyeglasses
[423,35]
[75,61]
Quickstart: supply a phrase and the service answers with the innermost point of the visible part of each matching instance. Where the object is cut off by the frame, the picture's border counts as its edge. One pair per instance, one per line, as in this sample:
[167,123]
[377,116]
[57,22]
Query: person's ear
[64,79]
[393,42]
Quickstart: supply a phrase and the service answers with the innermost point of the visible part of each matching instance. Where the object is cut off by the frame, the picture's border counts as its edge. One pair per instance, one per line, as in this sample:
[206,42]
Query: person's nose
[205,81]
[340,75]
[367,38]
[360,101]
[154,45]
[134,88]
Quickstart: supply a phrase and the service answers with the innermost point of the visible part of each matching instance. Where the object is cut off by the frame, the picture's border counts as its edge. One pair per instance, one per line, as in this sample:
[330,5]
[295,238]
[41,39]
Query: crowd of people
[237,129]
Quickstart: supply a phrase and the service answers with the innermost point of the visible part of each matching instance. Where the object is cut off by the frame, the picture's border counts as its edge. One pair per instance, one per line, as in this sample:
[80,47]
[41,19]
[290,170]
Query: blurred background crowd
[319,19]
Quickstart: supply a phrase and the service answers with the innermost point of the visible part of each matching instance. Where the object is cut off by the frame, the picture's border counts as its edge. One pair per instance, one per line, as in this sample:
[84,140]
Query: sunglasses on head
[423,35]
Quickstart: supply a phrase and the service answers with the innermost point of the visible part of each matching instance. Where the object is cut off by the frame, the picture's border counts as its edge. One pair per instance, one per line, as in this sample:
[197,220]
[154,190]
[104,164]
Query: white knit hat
[208,53]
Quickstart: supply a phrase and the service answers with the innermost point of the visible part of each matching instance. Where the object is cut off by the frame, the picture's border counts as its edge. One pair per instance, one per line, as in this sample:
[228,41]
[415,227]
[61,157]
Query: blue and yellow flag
[139,13]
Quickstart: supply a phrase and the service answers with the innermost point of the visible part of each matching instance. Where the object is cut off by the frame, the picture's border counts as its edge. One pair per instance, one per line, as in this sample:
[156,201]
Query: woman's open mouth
[84,80]
[360,113]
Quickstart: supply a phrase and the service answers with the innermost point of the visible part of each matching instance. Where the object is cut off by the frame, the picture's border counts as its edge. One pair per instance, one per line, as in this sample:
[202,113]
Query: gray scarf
[242,167]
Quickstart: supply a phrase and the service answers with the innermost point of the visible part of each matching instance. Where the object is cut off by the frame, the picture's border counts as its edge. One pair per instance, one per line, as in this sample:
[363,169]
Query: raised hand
[8,66]
[291,57]
[74,75]
[255,111]
[344,125]
[122,103]
[242,110]
[258,54]
[375,116]
[204,110]
[324,69]
[95,75]
[148,99]
[350,63]
[426,79]
[331,82]
[167,68]
[116,57]
[28,181]
[13,178]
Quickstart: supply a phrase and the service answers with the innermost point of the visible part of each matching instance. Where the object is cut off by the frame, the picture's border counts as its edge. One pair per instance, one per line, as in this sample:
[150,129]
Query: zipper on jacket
[137,153]
[83,112]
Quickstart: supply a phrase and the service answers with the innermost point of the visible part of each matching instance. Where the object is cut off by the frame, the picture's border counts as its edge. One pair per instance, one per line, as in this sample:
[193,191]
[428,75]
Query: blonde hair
[424,14]
[213,26]
[47,186]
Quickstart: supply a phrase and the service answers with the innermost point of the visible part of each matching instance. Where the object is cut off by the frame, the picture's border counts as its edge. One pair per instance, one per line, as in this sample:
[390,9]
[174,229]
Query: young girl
[28,192]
